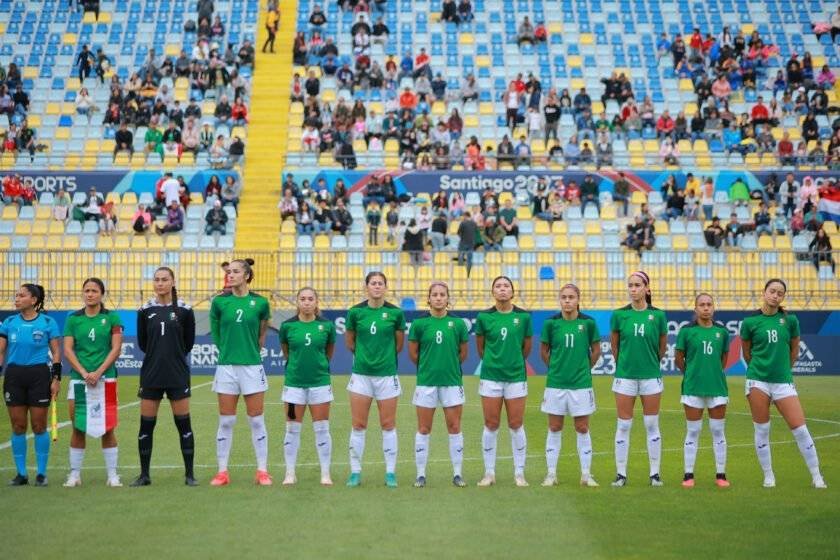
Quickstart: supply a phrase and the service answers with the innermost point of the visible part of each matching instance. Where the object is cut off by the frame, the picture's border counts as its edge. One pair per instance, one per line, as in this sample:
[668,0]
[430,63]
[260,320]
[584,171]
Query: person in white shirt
[170,189]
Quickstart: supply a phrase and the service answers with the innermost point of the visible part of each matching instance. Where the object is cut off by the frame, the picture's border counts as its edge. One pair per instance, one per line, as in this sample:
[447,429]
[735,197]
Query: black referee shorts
[27,385]
[156,393]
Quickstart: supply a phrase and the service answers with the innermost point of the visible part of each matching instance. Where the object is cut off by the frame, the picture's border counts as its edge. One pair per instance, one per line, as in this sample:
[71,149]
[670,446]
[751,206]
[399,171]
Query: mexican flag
[96,407]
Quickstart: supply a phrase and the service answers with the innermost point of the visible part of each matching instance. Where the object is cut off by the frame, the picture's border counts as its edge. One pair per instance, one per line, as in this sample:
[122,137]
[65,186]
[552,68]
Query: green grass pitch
[308,521]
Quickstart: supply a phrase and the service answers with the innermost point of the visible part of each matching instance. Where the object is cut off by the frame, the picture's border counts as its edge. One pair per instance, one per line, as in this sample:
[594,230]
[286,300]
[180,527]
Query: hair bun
[250,261]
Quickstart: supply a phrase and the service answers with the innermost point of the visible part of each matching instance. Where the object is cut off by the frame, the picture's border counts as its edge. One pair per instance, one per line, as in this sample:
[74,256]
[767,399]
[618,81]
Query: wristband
[55,370]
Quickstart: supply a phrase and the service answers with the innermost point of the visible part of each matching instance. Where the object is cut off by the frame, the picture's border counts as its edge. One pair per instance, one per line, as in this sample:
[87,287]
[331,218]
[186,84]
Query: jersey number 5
[308,338]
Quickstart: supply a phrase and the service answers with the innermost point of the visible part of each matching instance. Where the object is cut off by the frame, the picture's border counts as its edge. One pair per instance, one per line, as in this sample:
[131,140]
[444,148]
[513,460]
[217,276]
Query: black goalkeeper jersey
[165,334]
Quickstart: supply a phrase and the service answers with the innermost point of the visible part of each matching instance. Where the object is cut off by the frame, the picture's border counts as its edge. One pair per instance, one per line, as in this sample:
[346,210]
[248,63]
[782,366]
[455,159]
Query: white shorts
[637,387]
[703,402]
[568,402]
[776,391]
[505,390]
[240,380]
[376,387]
[309,395]
[432,397]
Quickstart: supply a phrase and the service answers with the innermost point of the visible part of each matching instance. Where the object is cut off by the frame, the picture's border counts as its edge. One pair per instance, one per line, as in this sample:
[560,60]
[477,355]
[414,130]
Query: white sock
[553,443]
[584,449]
[808,449]
[389,449]
[323,444]
[456,452]
[654,442]
[489,440]
[357,449]
[421,452]
[259,437]
[519,444]
[224,440]
[291,443]
[692,434]
[622,444]
[719,443]
[762,447]
[77,457]
[111,455]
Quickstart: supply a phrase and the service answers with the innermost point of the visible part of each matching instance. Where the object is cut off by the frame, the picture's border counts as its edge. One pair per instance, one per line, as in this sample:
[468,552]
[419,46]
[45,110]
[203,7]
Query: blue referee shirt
[28,341]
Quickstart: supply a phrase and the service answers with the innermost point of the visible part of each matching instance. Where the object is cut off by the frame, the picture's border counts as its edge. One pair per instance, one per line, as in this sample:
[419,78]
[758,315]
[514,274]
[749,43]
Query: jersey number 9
[504,332]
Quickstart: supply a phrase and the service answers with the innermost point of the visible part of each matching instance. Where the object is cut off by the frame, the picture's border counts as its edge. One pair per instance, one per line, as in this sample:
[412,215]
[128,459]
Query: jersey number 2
[238,315]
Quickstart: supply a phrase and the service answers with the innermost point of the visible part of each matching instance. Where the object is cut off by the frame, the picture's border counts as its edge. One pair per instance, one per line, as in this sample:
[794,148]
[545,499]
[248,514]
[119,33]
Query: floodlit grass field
[308,521]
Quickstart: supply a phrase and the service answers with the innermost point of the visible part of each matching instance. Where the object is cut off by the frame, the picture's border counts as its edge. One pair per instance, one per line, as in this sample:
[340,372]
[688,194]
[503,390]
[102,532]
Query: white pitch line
[8,444]
[410,461]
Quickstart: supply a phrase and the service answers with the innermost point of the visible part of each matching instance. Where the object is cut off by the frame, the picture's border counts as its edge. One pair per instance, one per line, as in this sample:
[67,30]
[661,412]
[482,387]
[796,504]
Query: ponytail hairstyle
[248,265]
[696,299]
[100,284]
[174,291]
[779,281]
[315,293]
[575,289]
[37,291]
[646,280]
[503,277]
[432,286]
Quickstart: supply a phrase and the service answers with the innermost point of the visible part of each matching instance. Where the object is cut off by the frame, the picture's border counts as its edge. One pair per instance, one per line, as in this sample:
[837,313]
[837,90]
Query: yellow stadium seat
[173,241]
[23,227]
[5,243]
[593,227]
[638,197]
[43,212]
[523,213]
[62,133]
[40,227]
[466,39]
[685,84]
[680,243]
[526,242]
[541,227]
[574,60]
[10,212]
[561,241]
[559,227]
[608,212]
[37,242]
[482,61]
[783,243]
[635,146]
[578,242]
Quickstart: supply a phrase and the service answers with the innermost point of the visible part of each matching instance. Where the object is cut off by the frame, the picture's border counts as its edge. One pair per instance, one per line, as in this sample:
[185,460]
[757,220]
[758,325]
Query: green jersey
[770,336]
[570,342]
[235,326]
[376,348]
[307,364]
[639,332]
[704,348]
[92,339]
[439,339]
[504,334]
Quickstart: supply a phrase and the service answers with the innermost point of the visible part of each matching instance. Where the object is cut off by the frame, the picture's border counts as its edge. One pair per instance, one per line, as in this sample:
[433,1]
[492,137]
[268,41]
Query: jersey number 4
[92,335]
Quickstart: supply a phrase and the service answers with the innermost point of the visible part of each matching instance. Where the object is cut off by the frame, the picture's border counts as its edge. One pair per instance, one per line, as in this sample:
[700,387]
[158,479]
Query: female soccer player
[437,343]
[238,323]
[92,343]
[165,334]
[770,342]
[638,339]
[570,346]
[701,352]
[28,341]
[503,340]
[308,341]
[375,336]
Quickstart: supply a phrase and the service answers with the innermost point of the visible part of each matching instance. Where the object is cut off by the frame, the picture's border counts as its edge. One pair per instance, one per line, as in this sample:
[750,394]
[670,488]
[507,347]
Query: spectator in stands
[508,220]
[817,154]
[437,233]
[780,224]
[272,24]
[739,193]
[174,220]
[288,205]
[216,220]
[734,231]
[663,46]
[492,235]
[603,151]
[797,222]
[640,235]
[141,221]
[721,89]
[93,205]
[413,242]
[582,102]
[213,191]
[171,141]
[647,113]
[590,193]
[465,11]
[810,128]
[317,18]
[677,50]
[341,218]
[304,219]
[786,150]
[61,206]
[469,89]
[674,206]
[218,155]
[669,151]
[525,32]
[820,249]
[714,234]
[621,191]
[789,194]
[762,220]
[449,12]
[231,191]
[123,141]
[572,152]
[665,125]
[522,153]
[540,201]
[85,61]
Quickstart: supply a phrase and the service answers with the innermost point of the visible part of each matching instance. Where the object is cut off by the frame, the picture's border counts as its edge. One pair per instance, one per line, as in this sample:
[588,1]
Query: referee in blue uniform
[27,342]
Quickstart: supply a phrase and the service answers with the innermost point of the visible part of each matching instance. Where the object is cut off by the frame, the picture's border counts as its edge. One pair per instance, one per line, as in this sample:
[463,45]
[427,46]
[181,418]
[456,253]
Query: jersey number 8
[439,337]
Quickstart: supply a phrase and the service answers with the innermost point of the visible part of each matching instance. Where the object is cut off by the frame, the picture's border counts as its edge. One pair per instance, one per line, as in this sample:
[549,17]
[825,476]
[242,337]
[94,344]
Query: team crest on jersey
[782,321]
[384,315]
[450,324]
[253,303]
[171,315]
[580,327]
[320,327]
[103,320]
[516,320]
[37,336]
[13,337]
[650,317]
[717,335]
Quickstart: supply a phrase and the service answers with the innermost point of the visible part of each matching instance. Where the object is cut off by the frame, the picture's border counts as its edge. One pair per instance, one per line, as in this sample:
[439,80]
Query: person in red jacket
[239,112]
[759,112]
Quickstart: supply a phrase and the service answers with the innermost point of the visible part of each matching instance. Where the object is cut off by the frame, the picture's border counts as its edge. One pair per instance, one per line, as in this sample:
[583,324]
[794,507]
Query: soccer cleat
[390,480]
[114,482]
[326,480]
[488,479]
[620,481]
[420,482]
[520,481]
[688,480]
[190,481]
[142,480]
[720,480]
[262,478]
[819,482]
[458,481]
[354,480]
[588,482]
[41,480]
[19,480]
[550,480]
[221,479]
[73,480]
[656,481]
[769,480]
[290,479]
